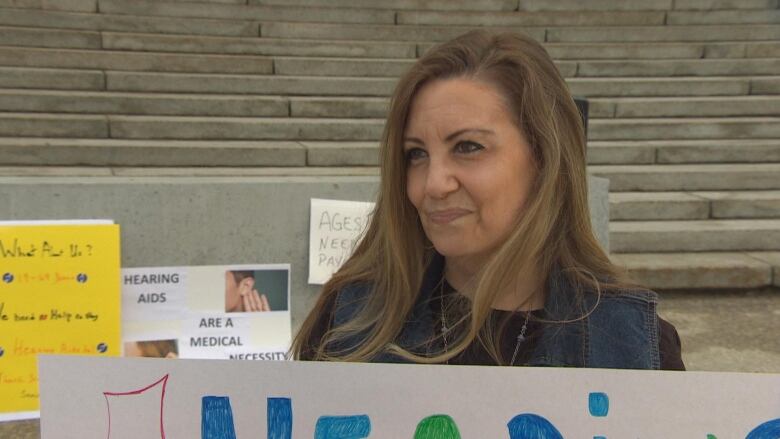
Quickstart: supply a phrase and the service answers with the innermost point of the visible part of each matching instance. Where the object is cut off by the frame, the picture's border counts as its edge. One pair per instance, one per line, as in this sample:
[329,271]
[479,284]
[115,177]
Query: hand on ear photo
[254,301]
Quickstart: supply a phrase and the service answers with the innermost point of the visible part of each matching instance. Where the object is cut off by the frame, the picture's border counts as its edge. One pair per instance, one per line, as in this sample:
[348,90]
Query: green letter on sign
[437,427]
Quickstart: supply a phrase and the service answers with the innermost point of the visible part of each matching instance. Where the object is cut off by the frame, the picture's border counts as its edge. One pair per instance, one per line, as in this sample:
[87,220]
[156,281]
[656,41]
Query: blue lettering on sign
[530,426]
[598,404]
[216,418]
[767,430]
[342,427]
[217,422]
[279,414]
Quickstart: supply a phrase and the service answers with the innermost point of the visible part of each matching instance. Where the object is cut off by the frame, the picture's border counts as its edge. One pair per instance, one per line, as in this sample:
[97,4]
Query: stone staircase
[684,103]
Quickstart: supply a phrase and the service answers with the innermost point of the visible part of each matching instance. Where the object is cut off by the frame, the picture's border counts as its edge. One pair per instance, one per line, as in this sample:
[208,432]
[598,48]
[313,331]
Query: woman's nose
[441,179]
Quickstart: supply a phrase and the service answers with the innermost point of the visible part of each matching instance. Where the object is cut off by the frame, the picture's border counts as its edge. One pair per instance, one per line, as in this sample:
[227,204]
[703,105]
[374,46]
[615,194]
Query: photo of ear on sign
[241,294]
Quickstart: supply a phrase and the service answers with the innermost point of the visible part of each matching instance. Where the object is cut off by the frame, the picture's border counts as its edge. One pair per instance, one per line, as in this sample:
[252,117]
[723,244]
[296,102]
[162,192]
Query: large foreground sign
[212,399]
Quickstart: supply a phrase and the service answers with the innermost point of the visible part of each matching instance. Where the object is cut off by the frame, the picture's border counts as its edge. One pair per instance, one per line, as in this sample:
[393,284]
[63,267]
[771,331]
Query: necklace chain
[444,329]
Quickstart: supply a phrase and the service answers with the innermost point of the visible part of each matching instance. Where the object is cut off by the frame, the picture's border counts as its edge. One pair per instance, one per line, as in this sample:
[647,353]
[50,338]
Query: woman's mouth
[446,216]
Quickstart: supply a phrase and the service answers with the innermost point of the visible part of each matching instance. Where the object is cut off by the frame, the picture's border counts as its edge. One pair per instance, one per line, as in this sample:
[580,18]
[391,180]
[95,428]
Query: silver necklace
[445,329]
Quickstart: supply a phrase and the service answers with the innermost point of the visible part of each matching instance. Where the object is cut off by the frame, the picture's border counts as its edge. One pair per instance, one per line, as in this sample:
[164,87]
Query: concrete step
[701,270]
[708,5]
[652,87]
[595,5]
[124,153]
[341,67]
[684,151]
[625,34]
[308,171]
[246,125]
[128,23]
[363,67]
[252,84]
[36,37]
[331,31]
[643,5]
[52,125]
[353,48]
[255,46]
[767,16]
[133,61]
[193,174]
[60,5]
[686,107]
[339,107]
[366,153]
[723,151]
[367,86]
[736,204]
[232,2]
[584,51]
[656,206]
[684,128]
[586,68]
[694,236]
[60,79]
[706,177]
[342,153]
[564,18]
[700,67]
[596,49]
[160,61]
[246,12]
[142,103]
[768,86]
[438,5]
[243,128]
[599,107]
[754,49]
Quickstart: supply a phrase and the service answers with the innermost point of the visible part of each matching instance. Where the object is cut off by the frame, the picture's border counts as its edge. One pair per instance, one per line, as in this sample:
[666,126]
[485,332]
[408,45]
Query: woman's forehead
[445,106]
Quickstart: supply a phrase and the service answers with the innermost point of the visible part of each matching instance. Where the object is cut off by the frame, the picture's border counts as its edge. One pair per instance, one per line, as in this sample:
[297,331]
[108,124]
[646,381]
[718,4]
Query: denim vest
[621,330]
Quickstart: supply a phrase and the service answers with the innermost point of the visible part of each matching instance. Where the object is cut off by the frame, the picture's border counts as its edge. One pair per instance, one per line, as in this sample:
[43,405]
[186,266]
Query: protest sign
[131,398]
[335,228]
[59,293]
[217,311]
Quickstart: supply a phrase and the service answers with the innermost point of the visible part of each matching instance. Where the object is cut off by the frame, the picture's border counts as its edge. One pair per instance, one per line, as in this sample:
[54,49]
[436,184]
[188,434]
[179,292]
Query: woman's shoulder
[630,293]
[634,311]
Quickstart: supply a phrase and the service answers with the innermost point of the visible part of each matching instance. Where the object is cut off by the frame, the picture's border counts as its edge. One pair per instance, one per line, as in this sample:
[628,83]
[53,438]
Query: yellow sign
[59,294]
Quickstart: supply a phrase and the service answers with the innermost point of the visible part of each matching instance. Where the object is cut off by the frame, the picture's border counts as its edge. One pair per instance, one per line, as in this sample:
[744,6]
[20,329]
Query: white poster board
[102,398]
[335,228]
[215,311]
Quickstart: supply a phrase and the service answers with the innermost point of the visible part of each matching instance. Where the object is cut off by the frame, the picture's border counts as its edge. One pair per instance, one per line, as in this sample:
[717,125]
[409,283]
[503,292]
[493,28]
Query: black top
[512,323]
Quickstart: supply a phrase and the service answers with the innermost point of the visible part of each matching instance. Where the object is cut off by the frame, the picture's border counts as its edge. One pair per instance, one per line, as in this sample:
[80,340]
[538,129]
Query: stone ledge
[772,258]
[696,270]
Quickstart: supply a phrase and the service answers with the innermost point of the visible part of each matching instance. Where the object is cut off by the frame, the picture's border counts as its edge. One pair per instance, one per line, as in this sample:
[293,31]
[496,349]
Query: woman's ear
[247,282]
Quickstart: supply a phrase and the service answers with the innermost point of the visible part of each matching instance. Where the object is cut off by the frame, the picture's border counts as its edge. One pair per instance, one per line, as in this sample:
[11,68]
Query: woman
[480,250]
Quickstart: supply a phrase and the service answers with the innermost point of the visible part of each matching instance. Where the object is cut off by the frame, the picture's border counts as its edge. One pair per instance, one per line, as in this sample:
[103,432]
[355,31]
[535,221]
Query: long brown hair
[554,229]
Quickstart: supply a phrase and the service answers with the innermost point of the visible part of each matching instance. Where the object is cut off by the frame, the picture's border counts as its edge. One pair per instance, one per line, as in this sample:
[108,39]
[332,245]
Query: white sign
[153,398]
[154,293]
[335,228]
[218,312]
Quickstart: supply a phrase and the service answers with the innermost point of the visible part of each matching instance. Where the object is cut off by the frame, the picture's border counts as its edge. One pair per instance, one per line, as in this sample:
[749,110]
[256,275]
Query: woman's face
[469,167]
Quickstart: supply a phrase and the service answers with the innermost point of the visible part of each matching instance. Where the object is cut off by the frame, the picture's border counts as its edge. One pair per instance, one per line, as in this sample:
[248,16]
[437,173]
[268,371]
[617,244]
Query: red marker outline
[163,380]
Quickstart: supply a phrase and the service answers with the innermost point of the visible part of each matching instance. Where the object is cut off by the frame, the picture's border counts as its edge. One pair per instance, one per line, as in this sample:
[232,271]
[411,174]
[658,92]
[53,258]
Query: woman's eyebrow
[469,130]
[453,135]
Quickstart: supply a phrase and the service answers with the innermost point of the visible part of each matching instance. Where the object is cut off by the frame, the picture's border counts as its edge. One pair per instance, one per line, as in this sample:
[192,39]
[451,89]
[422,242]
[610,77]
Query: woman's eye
[468,147]
[415,154]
